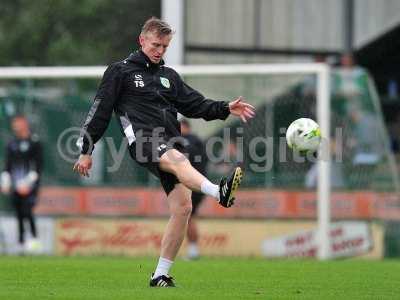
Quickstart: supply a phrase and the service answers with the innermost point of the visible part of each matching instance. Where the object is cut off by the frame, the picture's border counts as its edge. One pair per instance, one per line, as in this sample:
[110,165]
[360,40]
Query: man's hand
[5,183]
[23,190]
[5,190]
[83,165]
[242,109]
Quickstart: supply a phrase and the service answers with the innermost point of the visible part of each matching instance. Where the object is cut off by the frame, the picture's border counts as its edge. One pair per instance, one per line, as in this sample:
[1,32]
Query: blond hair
[157,26]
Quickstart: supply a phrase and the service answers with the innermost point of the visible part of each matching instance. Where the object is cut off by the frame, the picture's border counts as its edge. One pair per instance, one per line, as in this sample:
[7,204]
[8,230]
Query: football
[303,135]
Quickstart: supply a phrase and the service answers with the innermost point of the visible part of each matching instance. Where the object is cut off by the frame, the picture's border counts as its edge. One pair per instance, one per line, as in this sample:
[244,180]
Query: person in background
[21,178]
[337,177]
[366,145]
[350,84]
[230,156]
[196,152]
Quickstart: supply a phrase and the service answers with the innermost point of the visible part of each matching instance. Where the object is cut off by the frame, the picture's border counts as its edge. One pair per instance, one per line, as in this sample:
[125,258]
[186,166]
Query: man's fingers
[249,111]
[83,171]
[243,118]
[77,167]
[238,100]
[249,106]
[248,115]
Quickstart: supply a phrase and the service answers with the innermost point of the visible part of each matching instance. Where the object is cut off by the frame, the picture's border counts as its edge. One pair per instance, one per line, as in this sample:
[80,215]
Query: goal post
[324,188]
[264,82]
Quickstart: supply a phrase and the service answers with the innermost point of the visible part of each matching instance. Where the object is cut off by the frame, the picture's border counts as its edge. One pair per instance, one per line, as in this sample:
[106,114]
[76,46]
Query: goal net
[354,162]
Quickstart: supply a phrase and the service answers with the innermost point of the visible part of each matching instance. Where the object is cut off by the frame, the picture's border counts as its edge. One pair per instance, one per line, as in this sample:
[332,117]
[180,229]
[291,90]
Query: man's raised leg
[176,163]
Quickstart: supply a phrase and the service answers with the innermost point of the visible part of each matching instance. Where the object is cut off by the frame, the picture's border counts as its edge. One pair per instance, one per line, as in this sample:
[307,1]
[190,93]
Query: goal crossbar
[193,70]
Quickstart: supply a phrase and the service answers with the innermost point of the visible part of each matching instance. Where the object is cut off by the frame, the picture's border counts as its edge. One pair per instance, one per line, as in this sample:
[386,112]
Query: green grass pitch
[208,278]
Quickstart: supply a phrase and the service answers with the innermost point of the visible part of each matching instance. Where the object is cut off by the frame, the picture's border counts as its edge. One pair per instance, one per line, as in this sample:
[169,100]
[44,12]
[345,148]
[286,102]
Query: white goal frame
[322,72]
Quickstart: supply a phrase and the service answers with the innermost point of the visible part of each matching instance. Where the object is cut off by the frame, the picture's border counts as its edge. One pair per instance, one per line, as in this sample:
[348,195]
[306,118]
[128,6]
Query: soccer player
[197,156]
[146,96]
[21,177]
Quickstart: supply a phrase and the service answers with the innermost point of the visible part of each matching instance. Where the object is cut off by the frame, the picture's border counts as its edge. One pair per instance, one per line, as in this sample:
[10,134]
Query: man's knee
[180,201]
[173,160]
[183,209]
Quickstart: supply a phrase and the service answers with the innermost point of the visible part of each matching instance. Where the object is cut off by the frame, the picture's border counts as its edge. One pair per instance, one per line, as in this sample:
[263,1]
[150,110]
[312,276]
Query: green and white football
[303,135]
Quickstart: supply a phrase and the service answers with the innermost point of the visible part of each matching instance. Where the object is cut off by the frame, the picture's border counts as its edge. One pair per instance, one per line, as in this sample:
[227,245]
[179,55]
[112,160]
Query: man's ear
[141,39]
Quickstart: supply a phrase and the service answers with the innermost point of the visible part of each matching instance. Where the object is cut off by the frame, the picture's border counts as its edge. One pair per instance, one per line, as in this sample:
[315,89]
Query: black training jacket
[23,156]
[144,96]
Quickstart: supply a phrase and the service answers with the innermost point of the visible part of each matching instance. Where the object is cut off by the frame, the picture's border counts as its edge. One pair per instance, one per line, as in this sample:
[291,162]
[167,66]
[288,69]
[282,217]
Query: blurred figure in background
[351,76]
[21,177]
[350,84]
[337,177]
[196,151]
[230,157]
[366,145]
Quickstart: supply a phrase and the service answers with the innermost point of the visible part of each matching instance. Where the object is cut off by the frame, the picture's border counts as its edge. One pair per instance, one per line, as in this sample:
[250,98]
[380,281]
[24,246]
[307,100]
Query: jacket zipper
[163,110]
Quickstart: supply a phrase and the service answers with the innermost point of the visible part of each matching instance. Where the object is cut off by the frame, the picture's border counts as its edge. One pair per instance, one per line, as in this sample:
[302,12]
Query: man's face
[347,60]
[20,127]
[185,129]
[154,46]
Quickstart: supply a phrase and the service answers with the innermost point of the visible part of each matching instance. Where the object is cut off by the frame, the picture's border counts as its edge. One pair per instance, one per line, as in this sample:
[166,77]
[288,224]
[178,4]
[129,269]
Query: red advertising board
[255,203]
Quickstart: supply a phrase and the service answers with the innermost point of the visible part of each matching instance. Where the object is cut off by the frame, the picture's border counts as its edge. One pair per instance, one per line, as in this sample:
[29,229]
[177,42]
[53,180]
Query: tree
[71,32]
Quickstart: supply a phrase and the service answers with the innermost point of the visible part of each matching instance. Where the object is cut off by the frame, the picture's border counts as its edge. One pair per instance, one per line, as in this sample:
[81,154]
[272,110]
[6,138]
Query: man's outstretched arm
[98,118]
[193,104]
